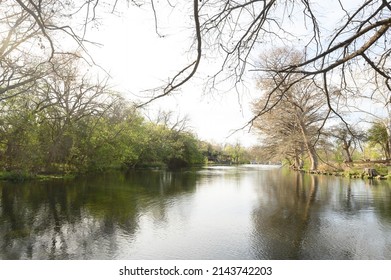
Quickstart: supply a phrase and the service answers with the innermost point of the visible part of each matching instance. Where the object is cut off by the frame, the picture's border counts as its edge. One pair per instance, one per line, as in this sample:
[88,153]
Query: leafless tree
[281,139]
[234,31]
[295,112]
[237,31]
[33,33]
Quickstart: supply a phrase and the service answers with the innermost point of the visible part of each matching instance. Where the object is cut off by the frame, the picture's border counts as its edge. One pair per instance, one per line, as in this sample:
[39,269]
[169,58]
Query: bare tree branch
[178,80]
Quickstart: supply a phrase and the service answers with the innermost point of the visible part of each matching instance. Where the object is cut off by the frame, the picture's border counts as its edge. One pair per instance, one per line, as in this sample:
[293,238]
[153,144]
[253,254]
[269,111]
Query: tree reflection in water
[301,216]
[81,219]
[222,213]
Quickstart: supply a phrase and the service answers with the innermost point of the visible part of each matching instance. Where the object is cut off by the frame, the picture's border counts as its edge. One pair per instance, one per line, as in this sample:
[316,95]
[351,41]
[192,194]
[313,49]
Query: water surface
[245,212]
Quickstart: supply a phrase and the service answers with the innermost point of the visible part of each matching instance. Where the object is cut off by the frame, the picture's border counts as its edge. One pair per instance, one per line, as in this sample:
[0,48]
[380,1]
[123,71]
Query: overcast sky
[137,59]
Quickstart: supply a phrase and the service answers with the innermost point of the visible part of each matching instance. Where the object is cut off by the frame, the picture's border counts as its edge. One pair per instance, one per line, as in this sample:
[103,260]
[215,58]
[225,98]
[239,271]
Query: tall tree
[340,39]
[59,120]
[295,112]
[33,33]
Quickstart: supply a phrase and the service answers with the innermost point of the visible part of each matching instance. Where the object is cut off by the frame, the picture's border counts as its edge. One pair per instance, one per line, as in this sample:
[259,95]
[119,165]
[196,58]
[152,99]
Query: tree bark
[310,148]
[346,146]
[388,146]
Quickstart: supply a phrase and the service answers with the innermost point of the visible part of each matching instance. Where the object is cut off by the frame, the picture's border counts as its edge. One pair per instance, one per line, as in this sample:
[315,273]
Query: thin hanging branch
[181,77]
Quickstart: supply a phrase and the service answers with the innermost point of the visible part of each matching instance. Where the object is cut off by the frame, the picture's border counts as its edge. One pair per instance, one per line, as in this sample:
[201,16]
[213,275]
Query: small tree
[347,138]
[377,135]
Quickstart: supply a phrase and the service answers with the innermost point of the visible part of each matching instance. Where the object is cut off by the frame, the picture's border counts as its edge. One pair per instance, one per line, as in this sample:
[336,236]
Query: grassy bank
[22,176]
[363,170]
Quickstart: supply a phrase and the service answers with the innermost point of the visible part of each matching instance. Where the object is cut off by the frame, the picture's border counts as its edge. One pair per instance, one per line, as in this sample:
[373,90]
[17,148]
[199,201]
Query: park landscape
[88,172]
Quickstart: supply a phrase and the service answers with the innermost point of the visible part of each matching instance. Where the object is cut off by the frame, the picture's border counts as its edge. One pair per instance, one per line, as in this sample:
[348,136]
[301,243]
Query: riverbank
[356,170]
[21,176]
[349,174]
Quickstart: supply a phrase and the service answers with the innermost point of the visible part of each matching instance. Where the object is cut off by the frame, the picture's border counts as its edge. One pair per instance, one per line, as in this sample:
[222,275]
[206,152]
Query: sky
[138,60]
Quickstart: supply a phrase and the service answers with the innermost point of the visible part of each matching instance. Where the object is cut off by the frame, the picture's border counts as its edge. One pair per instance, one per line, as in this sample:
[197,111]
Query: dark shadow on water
[82,218]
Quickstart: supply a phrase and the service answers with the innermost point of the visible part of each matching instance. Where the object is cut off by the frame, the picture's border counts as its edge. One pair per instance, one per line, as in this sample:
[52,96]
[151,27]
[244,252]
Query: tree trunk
[346,146]
[388,146]
[297,160]
[313,156]
[310,148]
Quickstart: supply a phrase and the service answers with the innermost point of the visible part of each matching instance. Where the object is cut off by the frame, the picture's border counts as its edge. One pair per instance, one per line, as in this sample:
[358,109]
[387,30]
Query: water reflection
[302,216]
[247,212]
[82,219]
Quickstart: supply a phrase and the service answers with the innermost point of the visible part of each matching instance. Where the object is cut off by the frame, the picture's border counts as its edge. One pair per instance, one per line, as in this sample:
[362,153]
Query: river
[219,212]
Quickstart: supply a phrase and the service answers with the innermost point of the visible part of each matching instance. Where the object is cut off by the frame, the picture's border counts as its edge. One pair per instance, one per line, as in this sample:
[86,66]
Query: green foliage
[110,134]
[237,154]
[162,145]
[15,175]
[378,135]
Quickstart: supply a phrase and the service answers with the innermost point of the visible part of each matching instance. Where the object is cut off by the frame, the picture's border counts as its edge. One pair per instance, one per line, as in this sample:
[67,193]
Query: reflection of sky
[213,223]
